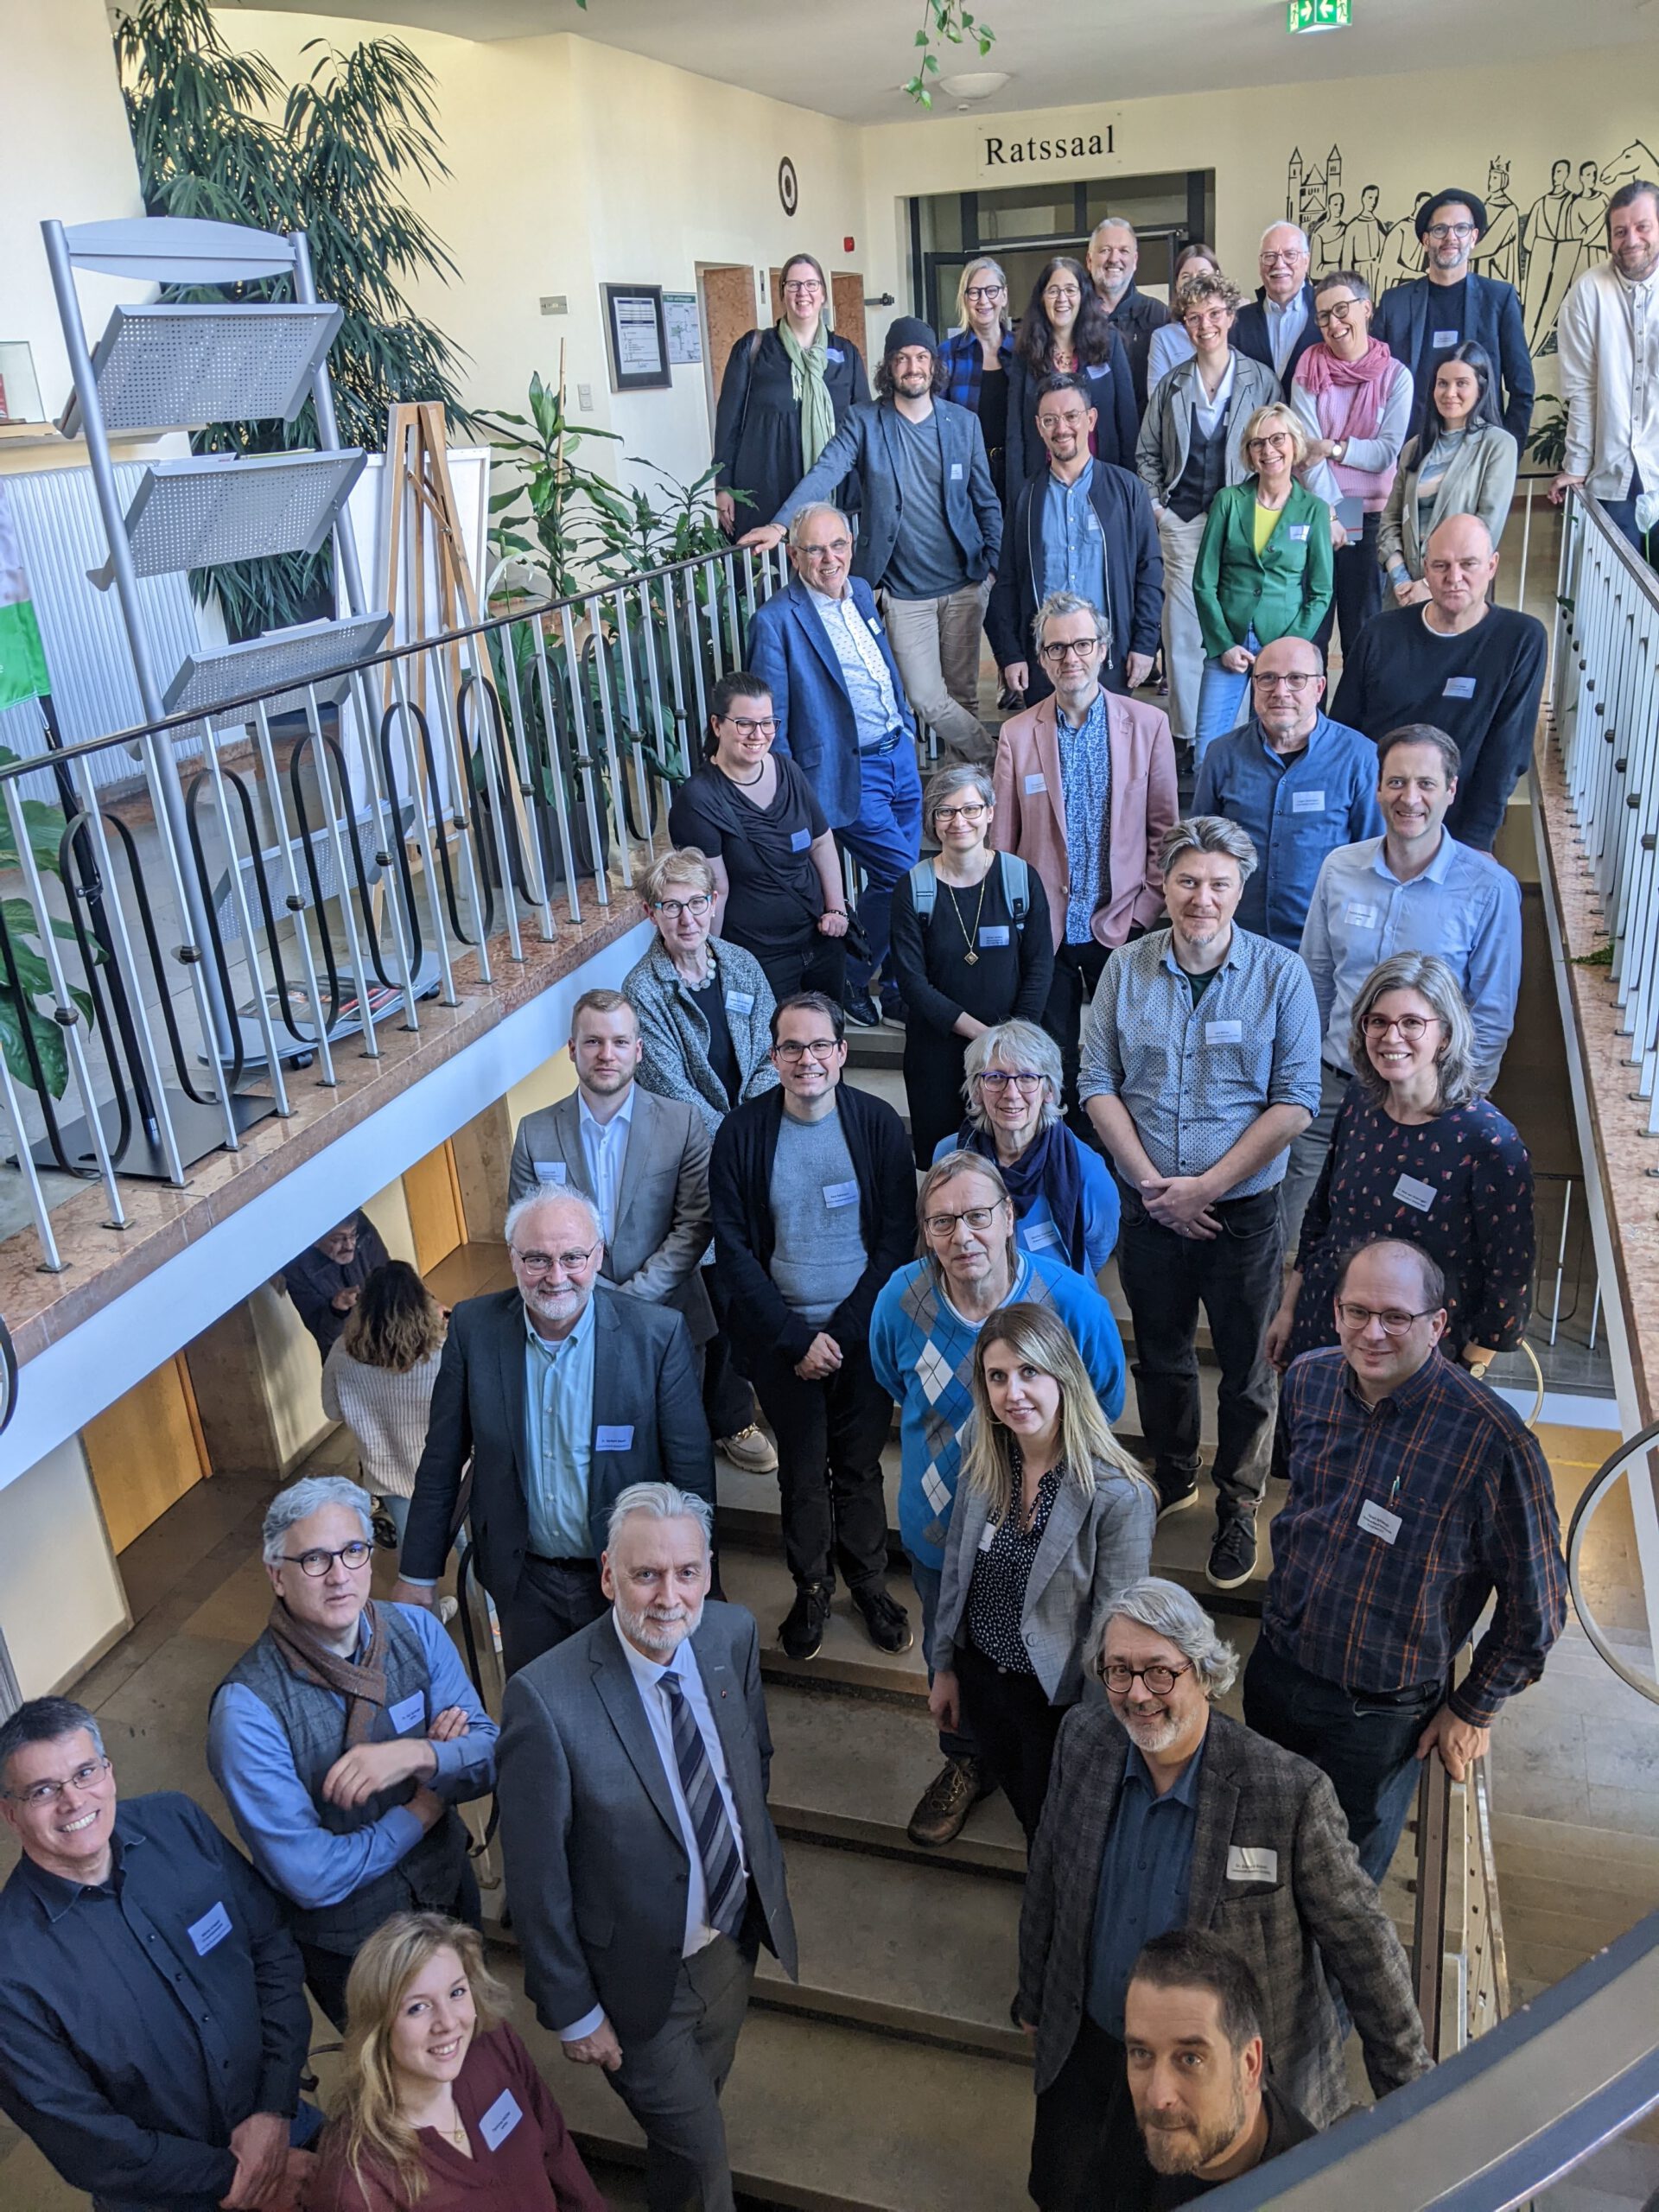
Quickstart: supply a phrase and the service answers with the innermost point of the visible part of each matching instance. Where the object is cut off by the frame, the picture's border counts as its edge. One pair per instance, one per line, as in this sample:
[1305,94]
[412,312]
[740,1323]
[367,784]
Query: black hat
[907,330]
[1425,214]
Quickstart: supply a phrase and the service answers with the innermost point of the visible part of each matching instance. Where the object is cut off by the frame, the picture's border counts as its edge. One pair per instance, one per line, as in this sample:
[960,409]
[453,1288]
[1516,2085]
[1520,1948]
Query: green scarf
[806,367]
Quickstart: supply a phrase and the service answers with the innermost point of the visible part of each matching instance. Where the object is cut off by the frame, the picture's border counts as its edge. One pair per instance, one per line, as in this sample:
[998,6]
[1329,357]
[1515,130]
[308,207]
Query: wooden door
[145,1451]
[436,1219]
[847,289]
[728,297]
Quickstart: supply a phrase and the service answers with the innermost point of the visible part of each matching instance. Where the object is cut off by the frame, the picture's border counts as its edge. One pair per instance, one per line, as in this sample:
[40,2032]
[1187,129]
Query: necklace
[970,938]
[739,780]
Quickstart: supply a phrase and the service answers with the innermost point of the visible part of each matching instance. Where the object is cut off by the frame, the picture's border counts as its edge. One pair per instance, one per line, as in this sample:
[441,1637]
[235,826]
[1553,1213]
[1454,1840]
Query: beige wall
[61,1602]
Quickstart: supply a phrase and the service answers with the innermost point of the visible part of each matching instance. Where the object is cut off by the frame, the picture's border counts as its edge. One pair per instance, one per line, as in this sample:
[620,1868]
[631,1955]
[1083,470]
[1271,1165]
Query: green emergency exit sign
[1318,15]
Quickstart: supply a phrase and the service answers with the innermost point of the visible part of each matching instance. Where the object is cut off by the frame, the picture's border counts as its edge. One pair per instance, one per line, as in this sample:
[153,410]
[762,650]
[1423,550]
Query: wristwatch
[1477,1368]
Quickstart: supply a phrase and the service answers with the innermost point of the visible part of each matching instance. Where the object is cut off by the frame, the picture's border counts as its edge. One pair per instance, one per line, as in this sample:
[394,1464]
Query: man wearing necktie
[643,1870]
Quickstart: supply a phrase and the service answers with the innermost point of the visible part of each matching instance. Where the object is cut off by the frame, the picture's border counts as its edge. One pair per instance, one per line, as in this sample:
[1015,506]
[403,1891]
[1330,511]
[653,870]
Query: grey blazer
[596,1864]
[1166,428]
[1092,1547]
[1298,1909]
[663,1224]
[676,1035]
[1480,481]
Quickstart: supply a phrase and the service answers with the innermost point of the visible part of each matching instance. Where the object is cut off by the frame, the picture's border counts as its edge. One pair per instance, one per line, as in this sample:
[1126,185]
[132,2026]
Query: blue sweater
[922,1351]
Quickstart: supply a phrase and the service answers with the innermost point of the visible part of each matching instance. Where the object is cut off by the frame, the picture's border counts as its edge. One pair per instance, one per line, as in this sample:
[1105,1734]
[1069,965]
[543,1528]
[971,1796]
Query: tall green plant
[539,517]
[350,140]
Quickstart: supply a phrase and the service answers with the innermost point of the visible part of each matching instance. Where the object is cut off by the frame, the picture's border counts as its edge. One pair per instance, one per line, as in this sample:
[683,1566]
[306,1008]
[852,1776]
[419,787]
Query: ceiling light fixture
[974,84]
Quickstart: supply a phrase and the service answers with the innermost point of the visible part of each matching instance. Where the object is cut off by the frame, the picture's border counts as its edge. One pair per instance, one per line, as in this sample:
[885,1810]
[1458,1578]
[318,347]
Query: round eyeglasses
[317,1563]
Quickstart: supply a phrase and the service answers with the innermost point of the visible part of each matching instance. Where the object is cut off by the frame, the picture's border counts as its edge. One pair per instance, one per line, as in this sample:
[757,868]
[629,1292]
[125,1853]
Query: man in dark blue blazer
[1424,319]
[1278,326]
[823,651]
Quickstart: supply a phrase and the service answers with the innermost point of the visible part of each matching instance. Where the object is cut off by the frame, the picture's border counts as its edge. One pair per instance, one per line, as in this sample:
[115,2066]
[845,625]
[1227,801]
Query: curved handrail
[1613,1469]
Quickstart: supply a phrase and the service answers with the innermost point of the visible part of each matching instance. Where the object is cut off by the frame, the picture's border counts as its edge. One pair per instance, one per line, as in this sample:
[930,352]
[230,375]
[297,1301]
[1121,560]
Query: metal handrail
[1614,1469]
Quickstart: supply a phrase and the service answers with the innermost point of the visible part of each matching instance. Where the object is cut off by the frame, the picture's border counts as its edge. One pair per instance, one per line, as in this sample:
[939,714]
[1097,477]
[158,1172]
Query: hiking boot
[945,1805]
[885,1617]
[801,1634]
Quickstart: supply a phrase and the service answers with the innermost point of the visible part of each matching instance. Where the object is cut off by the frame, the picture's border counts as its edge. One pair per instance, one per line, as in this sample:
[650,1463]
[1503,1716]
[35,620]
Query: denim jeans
[1224,701]
[885,840]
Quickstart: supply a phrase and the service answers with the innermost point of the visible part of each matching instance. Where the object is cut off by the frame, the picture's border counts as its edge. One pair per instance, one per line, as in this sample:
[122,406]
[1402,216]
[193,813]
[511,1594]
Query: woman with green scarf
[785,394]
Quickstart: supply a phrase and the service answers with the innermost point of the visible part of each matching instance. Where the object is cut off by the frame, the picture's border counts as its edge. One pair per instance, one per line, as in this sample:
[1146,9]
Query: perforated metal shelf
[166,367]
[283,662]
[220,507]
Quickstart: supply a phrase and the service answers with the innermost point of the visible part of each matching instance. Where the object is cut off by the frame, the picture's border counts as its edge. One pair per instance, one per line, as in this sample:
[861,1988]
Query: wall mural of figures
[1539,241]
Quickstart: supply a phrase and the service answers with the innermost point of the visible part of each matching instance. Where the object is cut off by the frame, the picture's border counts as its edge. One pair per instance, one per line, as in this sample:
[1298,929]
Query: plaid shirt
[964,358]
[1477,1517]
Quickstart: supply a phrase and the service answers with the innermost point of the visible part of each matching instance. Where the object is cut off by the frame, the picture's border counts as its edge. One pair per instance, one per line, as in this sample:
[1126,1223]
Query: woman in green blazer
[1263,569]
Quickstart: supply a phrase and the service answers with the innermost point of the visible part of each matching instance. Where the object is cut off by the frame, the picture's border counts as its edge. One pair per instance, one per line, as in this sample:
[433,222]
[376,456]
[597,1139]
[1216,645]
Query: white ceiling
[846,58]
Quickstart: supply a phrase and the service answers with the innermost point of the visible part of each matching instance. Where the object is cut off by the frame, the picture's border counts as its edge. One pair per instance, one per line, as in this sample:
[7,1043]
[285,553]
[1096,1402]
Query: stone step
[759,1580]
[911,1950]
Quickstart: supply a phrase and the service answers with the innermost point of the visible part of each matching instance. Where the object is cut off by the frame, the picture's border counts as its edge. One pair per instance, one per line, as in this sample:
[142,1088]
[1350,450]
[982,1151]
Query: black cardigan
[739,1188]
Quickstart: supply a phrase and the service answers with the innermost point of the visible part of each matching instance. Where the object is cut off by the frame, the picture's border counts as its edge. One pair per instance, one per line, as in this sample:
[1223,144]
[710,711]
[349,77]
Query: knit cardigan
[385,1412]
[675,1031]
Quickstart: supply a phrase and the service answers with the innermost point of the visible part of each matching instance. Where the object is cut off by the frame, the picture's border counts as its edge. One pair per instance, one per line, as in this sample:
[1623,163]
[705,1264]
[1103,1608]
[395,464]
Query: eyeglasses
[978,1217]
[1410,1026]
[960,813]
[983,292]
[746,729]
[802,284]
[1022,1078]
[315,1563]
[1071,417]
[1394,1322]
[47,1793]
[1057,294]
[1323,316]
[1078,648]
[1281,260]
[835,545]
[537,1264]
[1159,1680]
[698,904]
[1270,442]
[1450,231]
[1272,680]
[822,1049]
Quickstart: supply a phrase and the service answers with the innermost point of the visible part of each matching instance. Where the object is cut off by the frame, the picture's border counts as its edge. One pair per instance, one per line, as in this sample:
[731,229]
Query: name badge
[1376,1521]
[617,1439]
[408,1713]
[1358,917]
[740,1002]
[499,2122]
[1094,370]
[1458,687]
[207,1933]
[956,472]
[987,1536]
[831,353]
[1298,533]
[549,1171]
[994,934]
[799,840]
[1307,802]
[1224,1032]
[1411,1192]
[1250,1862]
[1040,1236]
[875,628]
[841,1194]
[1035,783]
[1446,337]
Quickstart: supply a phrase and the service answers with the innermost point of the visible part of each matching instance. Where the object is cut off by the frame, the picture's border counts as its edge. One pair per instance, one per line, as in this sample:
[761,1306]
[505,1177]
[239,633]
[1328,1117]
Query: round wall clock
[789,190]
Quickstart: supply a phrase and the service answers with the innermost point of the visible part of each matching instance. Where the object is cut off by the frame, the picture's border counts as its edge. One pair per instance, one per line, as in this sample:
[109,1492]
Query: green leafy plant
[945,22]
[335,164]
[1547,442]
[44,827]
[537,517]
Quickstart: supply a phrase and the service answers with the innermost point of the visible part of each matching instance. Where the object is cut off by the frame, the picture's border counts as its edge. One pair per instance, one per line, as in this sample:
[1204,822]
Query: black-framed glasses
[698,904]
[800,285]
[975,813]
[1081,649]
[86,1777]
[744,727]
[537,1264]
[1410,1026]
[1022,1078]
[978,1218]
[1443,231]
[1159,1679]
[317,1562]
[1269,441]
[1323,316]
[1394,1319]
[984,292]
[1273,679]
[822,1049]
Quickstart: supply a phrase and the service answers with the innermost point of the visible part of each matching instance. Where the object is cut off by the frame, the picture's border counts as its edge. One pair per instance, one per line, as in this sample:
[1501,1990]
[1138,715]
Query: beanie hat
[1425,213]
[907,330]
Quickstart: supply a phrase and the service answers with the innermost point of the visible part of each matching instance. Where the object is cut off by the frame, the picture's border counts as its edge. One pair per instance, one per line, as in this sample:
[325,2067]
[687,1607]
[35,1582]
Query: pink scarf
[1365,385]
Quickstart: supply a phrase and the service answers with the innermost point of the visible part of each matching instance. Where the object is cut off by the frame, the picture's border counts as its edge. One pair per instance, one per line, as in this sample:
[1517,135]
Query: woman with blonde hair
[438,2103]
[1051,1518]
[977,355]
[379,1379]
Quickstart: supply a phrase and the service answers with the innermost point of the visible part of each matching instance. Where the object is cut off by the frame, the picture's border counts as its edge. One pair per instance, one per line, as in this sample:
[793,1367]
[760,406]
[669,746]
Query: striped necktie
[722,1864]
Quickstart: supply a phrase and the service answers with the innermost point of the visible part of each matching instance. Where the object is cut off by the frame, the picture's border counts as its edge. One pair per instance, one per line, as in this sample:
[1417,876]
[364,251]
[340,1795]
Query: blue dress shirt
[1074,552]
[605,1147]
[559,1438]
[253,1762]
[869,686]
[1286,324]
[1297,808]
[1146,1876]
[1462,906]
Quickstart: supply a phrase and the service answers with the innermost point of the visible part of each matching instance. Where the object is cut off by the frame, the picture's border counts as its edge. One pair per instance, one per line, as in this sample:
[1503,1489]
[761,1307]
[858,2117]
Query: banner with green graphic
[22,657]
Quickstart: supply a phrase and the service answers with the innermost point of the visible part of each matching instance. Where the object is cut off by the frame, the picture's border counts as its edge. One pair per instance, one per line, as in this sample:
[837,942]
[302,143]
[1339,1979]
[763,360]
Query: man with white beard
[1163,1813]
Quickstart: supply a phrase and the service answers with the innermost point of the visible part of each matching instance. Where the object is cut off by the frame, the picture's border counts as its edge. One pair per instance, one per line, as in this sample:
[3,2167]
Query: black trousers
[819,964]
[1357,589]
[555,1598]
[830,1436]
[933,1076]
[1076,971]
[327,1972]
[1084,2137]
[727,1401]
[1236,1277]
[1014,1726]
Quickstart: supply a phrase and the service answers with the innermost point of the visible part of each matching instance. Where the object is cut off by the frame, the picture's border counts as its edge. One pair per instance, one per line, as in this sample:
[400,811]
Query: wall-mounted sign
[1008,158]
[636,337]
[684,331]
[1318,15]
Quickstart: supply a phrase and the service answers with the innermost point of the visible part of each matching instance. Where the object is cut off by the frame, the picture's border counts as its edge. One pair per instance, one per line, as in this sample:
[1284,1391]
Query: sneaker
[1175,1494]
[862,1010]
[1232,1556]
[801,1635]
[750,1451]
[885,1617]
[945,1805]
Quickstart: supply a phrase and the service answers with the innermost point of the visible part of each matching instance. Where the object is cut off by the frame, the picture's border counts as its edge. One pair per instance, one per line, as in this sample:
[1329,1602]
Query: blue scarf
[1047,1169]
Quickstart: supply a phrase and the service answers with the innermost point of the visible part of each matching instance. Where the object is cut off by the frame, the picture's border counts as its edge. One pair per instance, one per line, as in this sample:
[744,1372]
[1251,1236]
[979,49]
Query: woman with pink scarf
[1354,399]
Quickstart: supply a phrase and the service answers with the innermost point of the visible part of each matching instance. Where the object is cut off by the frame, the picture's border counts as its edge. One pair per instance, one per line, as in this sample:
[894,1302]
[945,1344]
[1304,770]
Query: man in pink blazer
[1085,790]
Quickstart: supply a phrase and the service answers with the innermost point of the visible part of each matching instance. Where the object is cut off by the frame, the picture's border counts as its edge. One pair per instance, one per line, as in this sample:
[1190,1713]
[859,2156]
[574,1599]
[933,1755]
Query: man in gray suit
[562,1394]
[1163,1814]
[642,1866]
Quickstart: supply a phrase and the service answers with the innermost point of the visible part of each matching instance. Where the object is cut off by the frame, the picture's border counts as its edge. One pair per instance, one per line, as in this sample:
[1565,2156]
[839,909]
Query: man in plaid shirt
[1415,1496]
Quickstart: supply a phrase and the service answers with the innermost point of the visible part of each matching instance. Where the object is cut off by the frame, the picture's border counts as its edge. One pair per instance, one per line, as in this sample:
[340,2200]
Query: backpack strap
[1016,887]
[924,889]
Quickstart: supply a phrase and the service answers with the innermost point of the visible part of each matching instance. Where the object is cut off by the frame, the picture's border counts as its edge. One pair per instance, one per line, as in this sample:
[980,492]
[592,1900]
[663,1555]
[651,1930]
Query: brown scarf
[362,1687]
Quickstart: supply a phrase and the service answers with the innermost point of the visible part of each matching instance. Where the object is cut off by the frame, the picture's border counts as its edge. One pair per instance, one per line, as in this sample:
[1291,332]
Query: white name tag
[1040,1236]
[993,935]
[499,2122]
[549,1171]
[1360,918]
[740,1002]
[1307,802]
[1034,784]
[1224,1032]
[1445,337]
[987,1536]
[1376,1521]
[1250,1862]
[1298,533]
[408,1713]
[619,1439]
[1411,1192]
[799,840]
[1458,687]
[207,1933]
[956,472]
[875,628]
[841,1194]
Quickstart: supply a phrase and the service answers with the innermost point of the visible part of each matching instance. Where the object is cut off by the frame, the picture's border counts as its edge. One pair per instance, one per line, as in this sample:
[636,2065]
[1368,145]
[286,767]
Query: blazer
[1092,1549]
[740,1185]
[1167,431]
[1310,1913]
[1111,386]
[1480,481]
[791,653]
[674,1030]
[596,1864]
[1250,336]
[1281,592]
[1135,574]
[867,442]
[1494,321]
[645,1385]
[662,1198]
[1030,810]
[1136,318]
